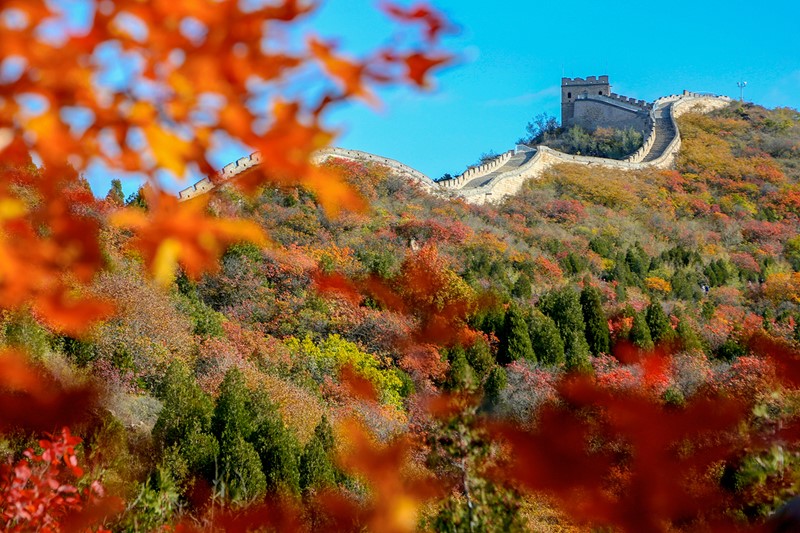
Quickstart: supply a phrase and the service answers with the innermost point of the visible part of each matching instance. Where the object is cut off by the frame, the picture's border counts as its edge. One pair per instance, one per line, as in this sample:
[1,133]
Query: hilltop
[423,293]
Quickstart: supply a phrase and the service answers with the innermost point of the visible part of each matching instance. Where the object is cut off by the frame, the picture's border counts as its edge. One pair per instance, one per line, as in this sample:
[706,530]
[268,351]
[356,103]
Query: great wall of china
[504,175]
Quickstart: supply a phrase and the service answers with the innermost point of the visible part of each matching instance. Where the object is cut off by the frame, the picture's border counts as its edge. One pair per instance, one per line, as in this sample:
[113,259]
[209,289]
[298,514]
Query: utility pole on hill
[741,85]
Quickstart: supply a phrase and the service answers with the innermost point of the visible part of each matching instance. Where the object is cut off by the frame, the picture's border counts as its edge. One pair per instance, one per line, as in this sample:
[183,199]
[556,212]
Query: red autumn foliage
[575,448]
[36,493]
[565,211]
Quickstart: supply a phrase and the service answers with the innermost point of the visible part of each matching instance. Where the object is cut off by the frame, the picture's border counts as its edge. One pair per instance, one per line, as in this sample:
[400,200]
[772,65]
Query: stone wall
[477,171]
[593,112]
[245,163]
[511,182]
[396,166]
[506,183]
[227,172]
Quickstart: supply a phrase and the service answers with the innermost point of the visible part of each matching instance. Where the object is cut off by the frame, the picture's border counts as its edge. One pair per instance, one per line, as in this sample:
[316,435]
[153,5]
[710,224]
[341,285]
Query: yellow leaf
[10,208]
[166,260]
[169,150]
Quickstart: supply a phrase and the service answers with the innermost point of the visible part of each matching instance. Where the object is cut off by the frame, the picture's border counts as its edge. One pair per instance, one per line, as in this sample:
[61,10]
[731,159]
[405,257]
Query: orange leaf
[170,150]
[421,13]
[69,314]
[348,73]
[174,232]
[419,64]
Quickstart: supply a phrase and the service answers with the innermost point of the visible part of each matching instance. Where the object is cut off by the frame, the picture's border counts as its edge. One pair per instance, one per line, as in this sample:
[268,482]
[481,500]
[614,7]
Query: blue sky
[513,54]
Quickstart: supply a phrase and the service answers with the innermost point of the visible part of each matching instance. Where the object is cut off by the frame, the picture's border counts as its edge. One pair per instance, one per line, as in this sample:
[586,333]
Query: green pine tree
[659,324]
[640,333]
[546,340]
[186,408]
[479,357]
[496,381]
[564,307]
[515,343]
[324,433]
[522,287]
[233,413]
[316,468]
[688,336]
[460,376]
[597,334]
[240,470]
[278,450]
[115,195]
[184,423]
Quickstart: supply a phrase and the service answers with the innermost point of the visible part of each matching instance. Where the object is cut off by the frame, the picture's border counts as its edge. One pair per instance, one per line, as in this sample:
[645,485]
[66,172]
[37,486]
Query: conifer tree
[115,194]
[546,340]
[515,343]
[522,287]
[496,381]
[659,324]
[597,334]
[184,422]
[233,414]
[640,333]
[233,423]
[316,468]
[324,433]
[186,409]
[240,469]
[460,375]
[278,450]
[564,307]
[479,357]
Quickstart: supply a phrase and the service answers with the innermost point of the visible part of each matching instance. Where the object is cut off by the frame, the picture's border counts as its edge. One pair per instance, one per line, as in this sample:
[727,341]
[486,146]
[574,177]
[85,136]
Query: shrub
[326,358]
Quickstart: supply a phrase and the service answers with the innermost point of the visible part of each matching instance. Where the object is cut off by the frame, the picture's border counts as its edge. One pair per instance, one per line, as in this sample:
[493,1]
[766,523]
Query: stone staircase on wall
[664,133]
[516,161]
[504,175]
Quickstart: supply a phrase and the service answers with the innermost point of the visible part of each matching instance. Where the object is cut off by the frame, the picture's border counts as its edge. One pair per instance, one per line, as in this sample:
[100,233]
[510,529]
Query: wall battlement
[589,80]
[644,104]
[508,173]
[477,171]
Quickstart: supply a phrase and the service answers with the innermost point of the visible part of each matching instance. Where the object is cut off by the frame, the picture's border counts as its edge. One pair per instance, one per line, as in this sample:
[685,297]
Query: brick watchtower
[572,88]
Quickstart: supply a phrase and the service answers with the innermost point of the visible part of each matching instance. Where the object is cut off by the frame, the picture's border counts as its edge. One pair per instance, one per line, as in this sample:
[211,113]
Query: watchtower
[572,88]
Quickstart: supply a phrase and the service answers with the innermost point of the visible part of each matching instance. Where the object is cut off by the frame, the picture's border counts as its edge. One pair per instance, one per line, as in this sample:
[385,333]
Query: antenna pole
[741,85]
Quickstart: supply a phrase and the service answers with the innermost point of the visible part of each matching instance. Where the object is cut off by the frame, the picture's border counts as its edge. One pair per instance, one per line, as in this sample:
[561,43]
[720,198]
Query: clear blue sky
[515,52]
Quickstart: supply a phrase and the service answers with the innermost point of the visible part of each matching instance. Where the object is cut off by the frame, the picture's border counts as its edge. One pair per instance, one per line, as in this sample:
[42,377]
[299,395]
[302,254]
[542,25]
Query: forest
[334,349]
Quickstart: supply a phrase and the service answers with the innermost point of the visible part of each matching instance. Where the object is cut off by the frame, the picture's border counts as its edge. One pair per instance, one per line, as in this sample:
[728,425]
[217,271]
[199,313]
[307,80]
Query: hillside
[654,285]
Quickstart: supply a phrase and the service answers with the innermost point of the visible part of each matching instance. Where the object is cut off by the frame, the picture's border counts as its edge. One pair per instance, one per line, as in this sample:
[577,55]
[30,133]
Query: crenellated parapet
[477,171]
[641,104]
[226,173]
[673,106]
[244,164]
[505,174]
[580,82]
